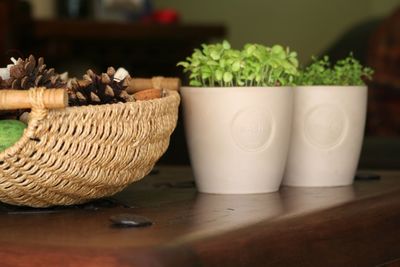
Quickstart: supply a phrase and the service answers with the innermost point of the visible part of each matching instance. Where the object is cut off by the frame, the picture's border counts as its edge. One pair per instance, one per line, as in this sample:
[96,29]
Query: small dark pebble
[130,220]
[365,176]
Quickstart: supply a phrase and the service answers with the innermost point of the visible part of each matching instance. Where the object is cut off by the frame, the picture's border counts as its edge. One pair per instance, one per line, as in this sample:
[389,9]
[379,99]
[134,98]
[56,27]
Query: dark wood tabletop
[356,225]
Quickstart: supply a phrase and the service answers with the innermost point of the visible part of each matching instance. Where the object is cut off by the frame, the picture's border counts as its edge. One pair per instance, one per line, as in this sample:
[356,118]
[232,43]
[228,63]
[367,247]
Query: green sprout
[254,65]
[347,71]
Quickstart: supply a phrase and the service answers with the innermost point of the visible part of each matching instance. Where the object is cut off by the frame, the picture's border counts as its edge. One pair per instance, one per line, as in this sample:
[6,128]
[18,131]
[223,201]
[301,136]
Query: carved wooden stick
[137,84]
[20,99]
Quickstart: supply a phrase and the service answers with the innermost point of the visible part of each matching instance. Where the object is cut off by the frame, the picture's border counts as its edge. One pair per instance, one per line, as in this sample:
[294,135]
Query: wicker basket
[76,154]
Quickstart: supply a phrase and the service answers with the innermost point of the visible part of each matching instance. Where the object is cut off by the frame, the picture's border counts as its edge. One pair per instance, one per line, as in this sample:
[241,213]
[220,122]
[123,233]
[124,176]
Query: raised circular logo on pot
[325,126]
[252,129]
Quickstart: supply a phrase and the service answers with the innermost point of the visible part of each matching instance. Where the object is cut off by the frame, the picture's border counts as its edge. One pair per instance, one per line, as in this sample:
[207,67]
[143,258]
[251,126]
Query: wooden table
[355,225]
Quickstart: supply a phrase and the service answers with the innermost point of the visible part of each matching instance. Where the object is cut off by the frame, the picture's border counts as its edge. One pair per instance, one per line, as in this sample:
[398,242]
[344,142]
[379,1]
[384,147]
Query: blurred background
[149,37]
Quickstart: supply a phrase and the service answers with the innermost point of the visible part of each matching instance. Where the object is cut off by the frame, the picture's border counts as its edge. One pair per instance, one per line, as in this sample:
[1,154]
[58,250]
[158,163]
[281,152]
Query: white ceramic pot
[327,135]
[237,137]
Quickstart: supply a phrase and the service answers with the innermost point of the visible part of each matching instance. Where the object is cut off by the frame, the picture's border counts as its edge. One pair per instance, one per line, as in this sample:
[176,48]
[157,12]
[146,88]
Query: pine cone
[28,73]
[97,89]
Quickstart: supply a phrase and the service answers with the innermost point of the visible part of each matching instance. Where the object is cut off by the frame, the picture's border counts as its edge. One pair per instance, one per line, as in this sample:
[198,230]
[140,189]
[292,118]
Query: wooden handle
[21,99]
[137,84]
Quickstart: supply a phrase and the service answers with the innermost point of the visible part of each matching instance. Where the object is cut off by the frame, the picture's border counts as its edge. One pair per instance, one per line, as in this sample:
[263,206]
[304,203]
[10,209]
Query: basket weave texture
[73,155]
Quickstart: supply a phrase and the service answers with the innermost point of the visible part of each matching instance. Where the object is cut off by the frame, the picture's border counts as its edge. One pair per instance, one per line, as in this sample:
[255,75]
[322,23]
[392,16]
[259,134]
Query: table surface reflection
[192,228]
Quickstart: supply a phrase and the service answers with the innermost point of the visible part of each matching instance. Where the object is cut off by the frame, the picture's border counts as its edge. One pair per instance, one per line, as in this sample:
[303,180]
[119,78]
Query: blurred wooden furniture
[147,49]
[15,28]
[384,58]
[343,226]
[144,49]
[380,152]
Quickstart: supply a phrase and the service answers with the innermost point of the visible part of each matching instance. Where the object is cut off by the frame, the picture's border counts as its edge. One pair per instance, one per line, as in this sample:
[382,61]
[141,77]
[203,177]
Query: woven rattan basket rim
[33,123]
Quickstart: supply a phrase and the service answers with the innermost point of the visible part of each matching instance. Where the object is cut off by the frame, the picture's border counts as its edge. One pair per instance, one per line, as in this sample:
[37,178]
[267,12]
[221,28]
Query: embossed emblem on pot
[252,129]
[325,126]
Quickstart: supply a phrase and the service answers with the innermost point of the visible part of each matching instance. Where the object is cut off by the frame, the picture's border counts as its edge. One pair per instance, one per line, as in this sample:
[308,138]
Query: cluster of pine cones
[97,89]
[91,90]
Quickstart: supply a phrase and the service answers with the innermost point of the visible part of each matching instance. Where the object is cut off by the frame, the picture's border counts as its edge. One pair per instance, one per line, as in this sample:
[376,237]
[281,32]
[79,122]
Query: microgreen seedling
[347,71]
[254,65]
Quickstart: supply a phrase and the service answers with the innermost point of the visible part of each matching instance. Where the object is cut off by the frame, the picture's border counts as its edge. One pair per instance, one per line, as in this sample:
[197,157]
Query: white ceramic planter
[237,137]
[327,135]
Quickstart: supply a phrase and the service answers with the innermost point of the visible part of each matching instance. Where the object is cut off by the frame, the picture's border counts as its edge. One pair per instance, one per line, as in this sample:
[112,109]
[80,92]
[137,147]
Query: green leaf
[214,55]
[228,77]
[212,63]
[194,75]
[218,75]
[236,66]
[183,64]
[249,49]
[205,75]
[195,63]
[226,45]
[240,82]
[195,83]
[277,49]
